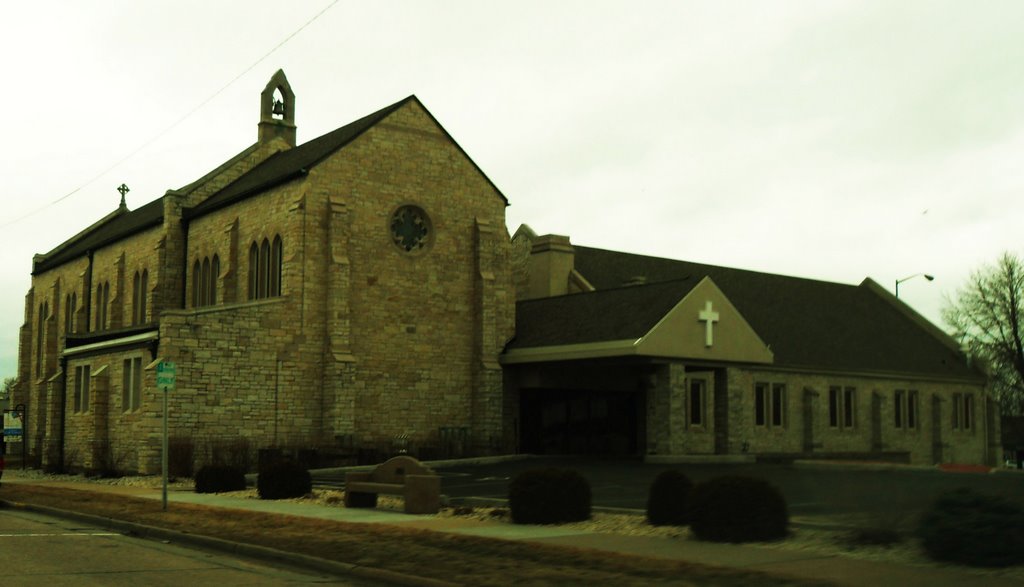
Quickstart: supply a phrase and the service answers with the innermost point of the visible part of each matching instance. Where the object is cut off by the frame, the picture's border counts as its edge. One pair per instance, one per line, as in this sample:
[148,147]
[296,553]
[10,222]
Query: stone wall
[874,428]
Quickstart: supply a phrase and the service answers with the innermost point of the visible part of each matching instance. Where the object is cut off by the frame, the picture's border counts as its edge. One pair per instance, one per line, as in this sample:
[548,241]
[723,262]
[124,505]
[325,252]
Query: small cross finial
[708,317]
[123,189]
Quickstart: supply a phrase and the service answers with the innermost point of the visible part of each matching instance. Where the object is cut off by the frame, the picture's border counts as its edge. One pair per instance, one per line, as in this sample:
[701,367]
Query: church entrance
[577,422]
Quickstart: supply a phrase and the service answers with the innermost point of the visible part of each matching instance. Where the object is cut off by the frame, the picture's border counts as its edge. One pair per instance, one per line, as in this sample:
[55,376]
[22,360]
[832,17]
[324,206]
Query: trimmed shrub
[219,478]
[668,498]
[738,509]
[966,527]
[283,480]
[549,496]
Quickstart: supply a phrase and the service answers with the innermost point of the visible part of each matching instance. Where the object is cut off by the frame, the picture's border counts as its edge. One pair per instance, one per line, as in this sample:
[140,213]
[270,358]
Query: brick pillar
[170,274]
[339,388]
[666,393]
[47,417]
[491,293]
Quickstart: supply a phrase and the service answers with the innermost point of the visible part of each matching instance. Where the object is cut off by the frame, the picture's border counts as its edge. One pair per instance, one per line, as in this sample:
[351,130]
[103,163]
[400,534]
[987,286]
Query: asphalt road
[890,497]
[40,550]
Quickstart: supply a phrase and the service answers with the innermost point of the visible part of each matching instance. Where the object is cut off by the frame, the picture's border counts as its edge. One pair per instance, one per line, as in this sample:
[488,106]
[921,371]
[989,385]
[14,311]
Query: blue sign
[14,426]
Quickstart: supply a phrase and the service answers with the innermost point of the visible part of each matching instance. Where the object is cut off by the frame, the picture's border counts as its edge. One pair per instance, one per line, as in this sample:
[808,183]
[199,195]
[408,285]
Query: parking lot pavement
[834,492]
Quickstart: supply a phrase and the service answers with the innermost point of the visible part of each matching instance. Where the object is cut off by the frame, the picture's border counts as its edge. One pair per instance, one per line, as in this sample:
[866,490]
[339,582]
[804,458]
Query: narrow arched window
[214,274]
[275,267]
[264,273]
[67,314]
[106,302]
[142,296]
[136,288]
[254,263]
[99,307]
[71,307]
[196,287]
[204,295]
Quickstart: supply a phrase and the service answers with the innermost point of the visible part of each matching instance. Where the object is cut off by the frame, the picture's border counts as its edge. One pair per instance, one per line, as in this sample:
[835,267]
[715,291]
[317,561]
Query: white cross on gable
[708,317]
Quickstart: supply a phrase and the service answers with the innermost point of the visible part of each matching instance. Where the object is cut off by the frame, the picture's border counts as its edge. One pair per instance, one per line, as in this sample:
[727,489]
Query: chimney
[277,110]
[552,259]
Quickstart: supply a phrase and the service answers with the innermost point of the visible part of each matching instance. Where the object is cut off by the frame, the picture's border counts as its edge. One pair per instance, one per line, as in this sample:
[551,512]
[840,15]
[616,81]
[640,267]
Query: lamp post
[899,281]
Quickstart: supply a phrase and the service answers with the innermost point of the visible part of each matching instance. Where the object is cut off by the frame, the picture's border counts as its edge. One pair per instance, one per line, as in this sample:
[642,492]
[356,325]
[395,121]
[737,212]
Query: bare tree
[986,317]
[8,387]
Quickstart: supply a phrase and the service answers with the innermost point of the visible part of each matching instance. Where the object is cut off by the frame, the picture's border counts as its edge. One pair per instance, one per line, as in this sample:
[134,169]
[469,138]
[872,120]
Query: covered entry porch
[620,407]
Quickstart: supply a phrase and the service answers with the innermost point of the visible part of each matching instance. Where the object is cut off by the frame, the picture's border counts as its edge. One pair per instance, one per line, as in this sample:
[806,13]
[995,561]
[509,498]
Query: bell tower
[277,110]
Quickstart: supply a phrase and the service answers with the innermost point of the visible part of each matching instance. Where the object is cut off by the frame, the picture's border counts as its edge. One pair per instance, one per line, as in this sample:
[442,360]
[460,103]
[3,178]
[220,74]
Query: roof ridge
[85,232]
[738,269]
[612,289]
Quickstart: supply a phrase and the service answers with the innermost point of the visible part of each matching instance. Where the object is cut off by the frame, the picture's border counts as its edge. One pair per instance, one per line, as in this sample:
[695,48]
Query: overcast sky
[831,140]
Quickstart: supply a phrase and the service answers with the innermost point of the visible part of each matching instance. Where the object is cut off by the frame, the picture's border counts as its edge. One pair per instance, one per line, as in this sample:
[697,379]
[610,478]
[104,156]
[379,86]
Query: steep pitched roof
[603,315]
[113,227]
[296,162]
[807,323]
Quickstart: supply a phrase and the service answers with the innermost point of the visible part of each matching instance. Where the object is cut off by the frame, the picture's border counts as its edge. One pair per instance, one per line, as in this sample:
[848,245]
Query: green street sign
[166,375]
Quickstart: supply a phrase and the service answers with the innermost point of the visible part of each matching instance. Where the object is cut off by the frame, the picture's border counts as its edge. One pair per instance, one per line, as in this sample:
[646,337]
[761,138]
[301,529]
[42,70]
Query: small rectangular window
[778,404]
[842,407]
[131,390]
[761,404]
[81,401]
[849,405]
[698,390]
[968,411]
[833,406]
[911,409]
[897,407]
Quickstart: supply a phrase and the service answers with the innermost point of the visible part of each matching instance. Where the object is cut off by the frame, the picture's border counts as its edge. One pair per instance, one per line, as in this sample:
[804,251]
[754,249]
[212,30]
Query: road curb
[236,548]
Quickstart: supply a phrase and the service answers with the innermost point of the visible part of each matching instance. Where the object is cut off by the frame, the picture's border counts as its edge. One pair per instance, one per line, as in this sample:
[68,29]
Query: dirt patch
[450,557]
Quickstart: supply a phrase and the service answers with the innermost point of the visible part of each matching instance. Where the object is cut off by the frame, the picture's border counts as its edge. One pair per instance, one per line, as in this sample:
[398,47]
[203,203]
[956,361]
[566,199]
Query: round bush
[738,509]
[219,478]
[973,529]
[283,480]
[667,501]
[549,496]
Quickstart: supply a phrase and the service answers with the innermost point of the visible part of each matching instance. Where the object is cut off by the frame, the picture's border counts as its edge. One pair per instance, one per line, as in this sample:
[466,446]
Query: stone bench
[402,475]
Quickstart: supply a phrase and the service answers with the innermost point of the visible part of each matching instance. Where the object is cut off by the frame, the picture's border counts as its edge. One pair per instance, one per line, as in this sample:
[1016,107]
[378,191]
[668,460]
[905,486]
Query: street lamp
[899,281]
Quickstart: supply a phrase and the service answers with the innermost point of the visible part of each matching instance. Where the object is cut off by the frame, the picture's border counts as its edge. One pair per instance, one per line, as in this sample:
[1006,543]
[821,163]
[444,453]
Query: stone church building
[360,294]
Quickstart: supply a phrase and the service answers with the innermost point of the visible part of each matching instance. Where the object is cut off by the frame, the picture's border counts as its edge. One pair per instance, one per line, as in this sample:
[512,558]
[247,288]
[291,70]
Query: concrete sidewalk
[838,570]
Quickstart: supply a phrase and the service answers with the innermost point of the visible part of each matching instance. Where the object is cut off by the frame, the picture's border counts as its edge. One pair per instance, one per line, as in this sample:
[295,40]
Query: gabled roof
[808,324]
[117,225]
[296,162]
[597,316]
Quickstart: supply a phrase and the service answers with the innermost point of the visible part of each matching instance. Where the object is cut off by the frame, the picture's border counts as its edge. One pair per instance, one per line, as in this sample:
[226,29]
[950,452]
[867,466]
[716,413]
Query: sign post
[166,377]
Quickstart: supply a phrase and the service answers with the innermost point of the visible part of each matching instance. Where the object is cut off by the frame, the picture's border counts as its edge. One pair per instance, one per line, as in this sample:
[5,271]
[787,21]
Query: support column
[100,451]
[48,421]
[487,392]
[666,415]
[340,388]
[807,409]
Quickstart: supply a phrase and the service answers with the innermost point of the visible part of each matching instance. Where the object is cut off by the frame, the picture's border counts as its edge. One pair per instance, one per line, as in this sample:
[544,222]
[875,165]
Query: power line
[174,124]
